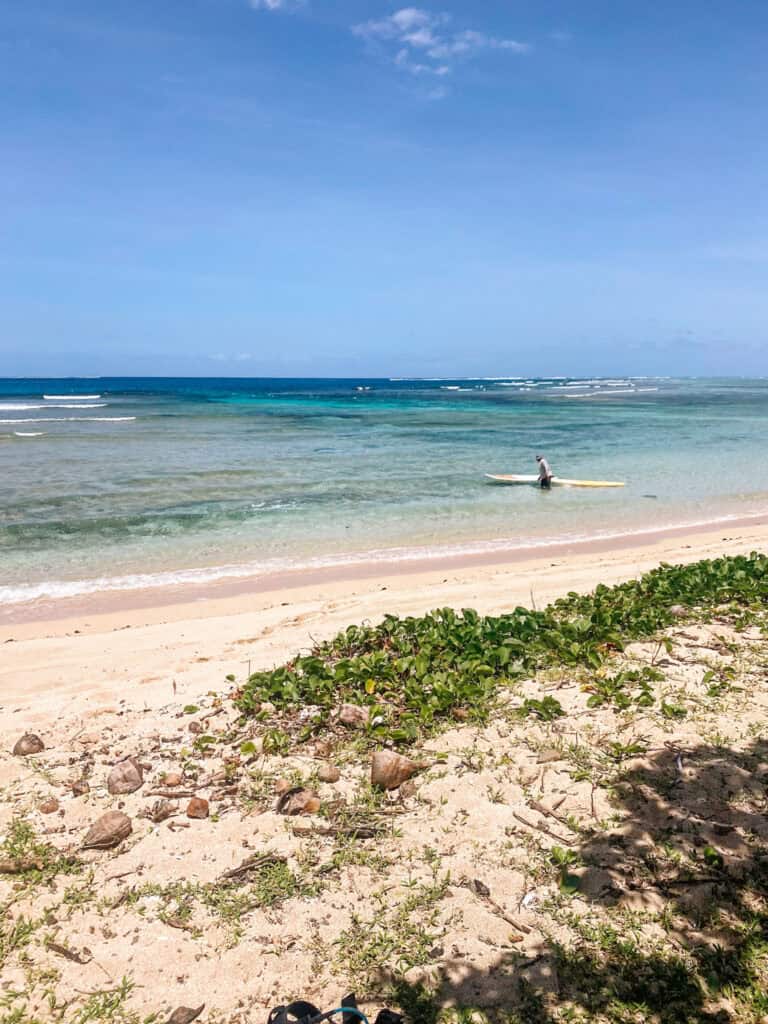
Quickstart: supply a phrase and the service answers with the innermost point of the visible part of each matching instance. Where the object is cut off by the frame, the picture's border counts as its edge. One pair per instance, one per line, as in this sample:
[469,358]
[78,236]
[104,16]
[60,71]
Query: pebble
[198,808]
[328,773]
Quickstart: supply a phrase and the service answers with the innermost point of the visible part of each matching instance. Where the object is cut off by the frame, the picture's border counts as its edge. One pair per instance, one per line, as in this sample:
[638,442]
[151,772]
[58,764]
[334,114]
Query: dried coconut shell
[185,1014]
[353,716]
[298,801]
[389,770]
[28,744]
[108,831]
[161,810]
[126,777]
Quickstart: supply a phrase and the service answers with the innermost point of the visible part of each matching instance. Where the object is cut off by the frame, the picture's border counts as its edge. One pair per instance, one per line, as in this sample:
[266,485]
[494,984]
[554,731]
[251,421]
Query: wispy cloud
[427,44]
[275,5]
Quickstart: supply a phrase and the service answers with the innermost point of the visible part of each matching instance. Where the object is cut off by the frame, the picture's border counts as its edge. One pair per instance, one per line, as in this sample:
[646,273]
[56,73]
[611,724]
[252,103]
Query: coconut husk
[389,770]
[108,831]
[126,777]
[298,801]
[353,716]
[185,1014]
[28,744]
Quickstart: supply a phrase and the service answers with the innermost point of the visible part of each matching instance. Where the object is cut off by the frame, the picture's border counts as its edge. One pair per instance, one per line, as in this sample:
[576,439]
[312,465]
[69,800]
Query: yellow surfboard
[557,481]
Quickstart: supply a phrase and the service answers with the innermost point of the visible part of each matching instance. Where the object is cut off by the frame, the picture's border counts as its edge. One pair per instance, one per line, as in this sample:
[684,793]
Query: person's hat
[539,458]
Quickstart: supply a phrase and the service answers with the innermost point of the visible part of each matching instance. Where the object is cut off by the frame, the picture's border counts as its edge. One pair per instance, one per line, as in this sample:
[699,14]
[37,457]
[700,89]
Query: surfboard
[518,478]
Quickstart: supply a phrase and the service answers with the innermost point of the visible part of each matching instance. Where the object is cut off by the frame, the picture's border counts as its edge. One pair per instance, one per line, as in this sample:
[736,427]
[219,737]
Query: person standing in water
[545,473]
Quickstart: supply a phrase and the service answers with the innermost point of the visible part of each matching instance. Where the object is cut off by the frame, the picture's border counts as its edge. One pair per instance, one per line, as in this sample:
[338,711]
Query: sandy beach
[214,898]
[144,647]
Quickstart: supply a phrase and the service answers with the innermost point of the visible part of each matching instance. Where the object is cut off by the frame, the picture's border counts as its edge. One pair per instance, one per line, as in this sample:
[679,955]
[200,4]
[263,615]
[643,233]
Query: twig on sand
[548,813]
[351,831]
[68,954]
[252,863]
[482,893]
[161,791]
[540,827]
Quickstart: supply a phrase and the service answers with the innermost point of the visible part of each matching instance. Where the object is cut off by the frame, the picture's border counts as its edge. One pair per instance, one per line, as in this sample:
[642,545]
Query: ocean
[109,484]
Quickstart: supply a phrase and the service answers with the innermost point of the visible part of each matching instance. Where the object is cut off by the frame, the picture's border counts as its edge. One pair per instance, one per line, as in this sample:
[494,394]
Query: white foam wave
[72,419]
[24,407]
[71,398]
[55,589]
[29,433]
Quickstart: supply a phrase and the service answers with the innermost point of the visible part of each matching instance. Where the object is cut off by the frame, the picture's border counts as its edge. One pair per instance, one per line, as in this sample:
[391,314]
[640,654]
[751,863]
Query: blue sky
[344,188]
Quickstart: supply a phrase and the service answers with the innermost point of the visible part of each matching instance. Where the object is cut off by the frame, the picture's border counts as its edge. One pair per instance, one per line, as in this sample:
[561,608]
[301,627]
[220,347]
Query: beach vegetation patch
[624,689]
[547,709]
[30,859]
[414,674]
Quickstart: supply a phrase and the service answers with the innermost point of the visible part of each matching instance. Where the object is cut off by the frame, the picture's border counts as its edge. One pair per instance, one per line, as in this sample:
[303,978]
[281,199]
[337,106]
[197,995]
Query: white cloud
[424,43]
[275,5]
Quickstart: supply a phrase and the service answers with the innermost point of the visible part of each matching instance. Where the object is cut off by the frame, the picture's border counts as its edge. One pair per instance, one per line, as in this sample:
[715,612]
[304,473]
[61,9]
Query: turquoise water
[148,482]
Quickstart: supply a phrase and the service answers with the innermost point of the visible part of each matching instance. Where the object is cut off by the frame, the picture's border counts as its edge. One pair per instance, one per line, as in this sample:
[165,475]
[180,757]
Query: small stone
[408,788]
[172,779]
[108,831]
[195,727]
[125,777]
[49,806]
[480,888]
[198,808]
[28,744]
[353,716]
[282,786]
[678,610]
[81,787]
[328,773]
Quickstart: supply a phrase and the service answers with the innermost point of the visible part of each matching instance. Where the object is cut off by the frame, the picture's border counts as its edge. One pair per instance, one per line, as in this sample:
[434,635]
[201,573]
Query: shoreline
[150,599]
[109,656]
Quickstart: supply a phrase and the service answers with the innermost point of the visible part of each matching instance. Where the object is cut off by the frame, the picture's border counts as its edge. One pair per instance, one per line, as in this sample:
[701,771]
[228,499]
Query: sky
[356,187]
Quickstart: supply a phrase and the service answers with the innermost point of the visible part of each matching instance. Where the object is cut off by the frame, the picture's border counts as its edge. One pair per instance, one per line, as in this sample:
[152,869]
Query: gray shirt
[544,469]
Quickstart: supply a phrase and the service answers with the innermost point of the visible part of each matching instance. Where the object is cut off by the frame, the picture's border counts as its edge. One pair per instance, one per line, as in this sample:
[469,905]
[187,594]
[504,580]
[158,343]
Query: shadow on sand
[682,890]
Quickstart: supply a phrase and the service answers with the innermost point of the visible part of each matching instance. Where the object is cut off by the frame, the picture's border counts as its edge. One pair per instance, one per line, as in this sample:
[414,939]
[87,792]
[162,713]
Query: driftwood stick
[162,791]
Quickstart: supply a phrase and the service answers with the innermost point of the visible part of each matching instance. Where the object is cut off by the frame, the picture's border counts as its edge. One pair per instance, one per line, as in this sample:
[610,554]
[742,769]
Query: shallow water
[144,482]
